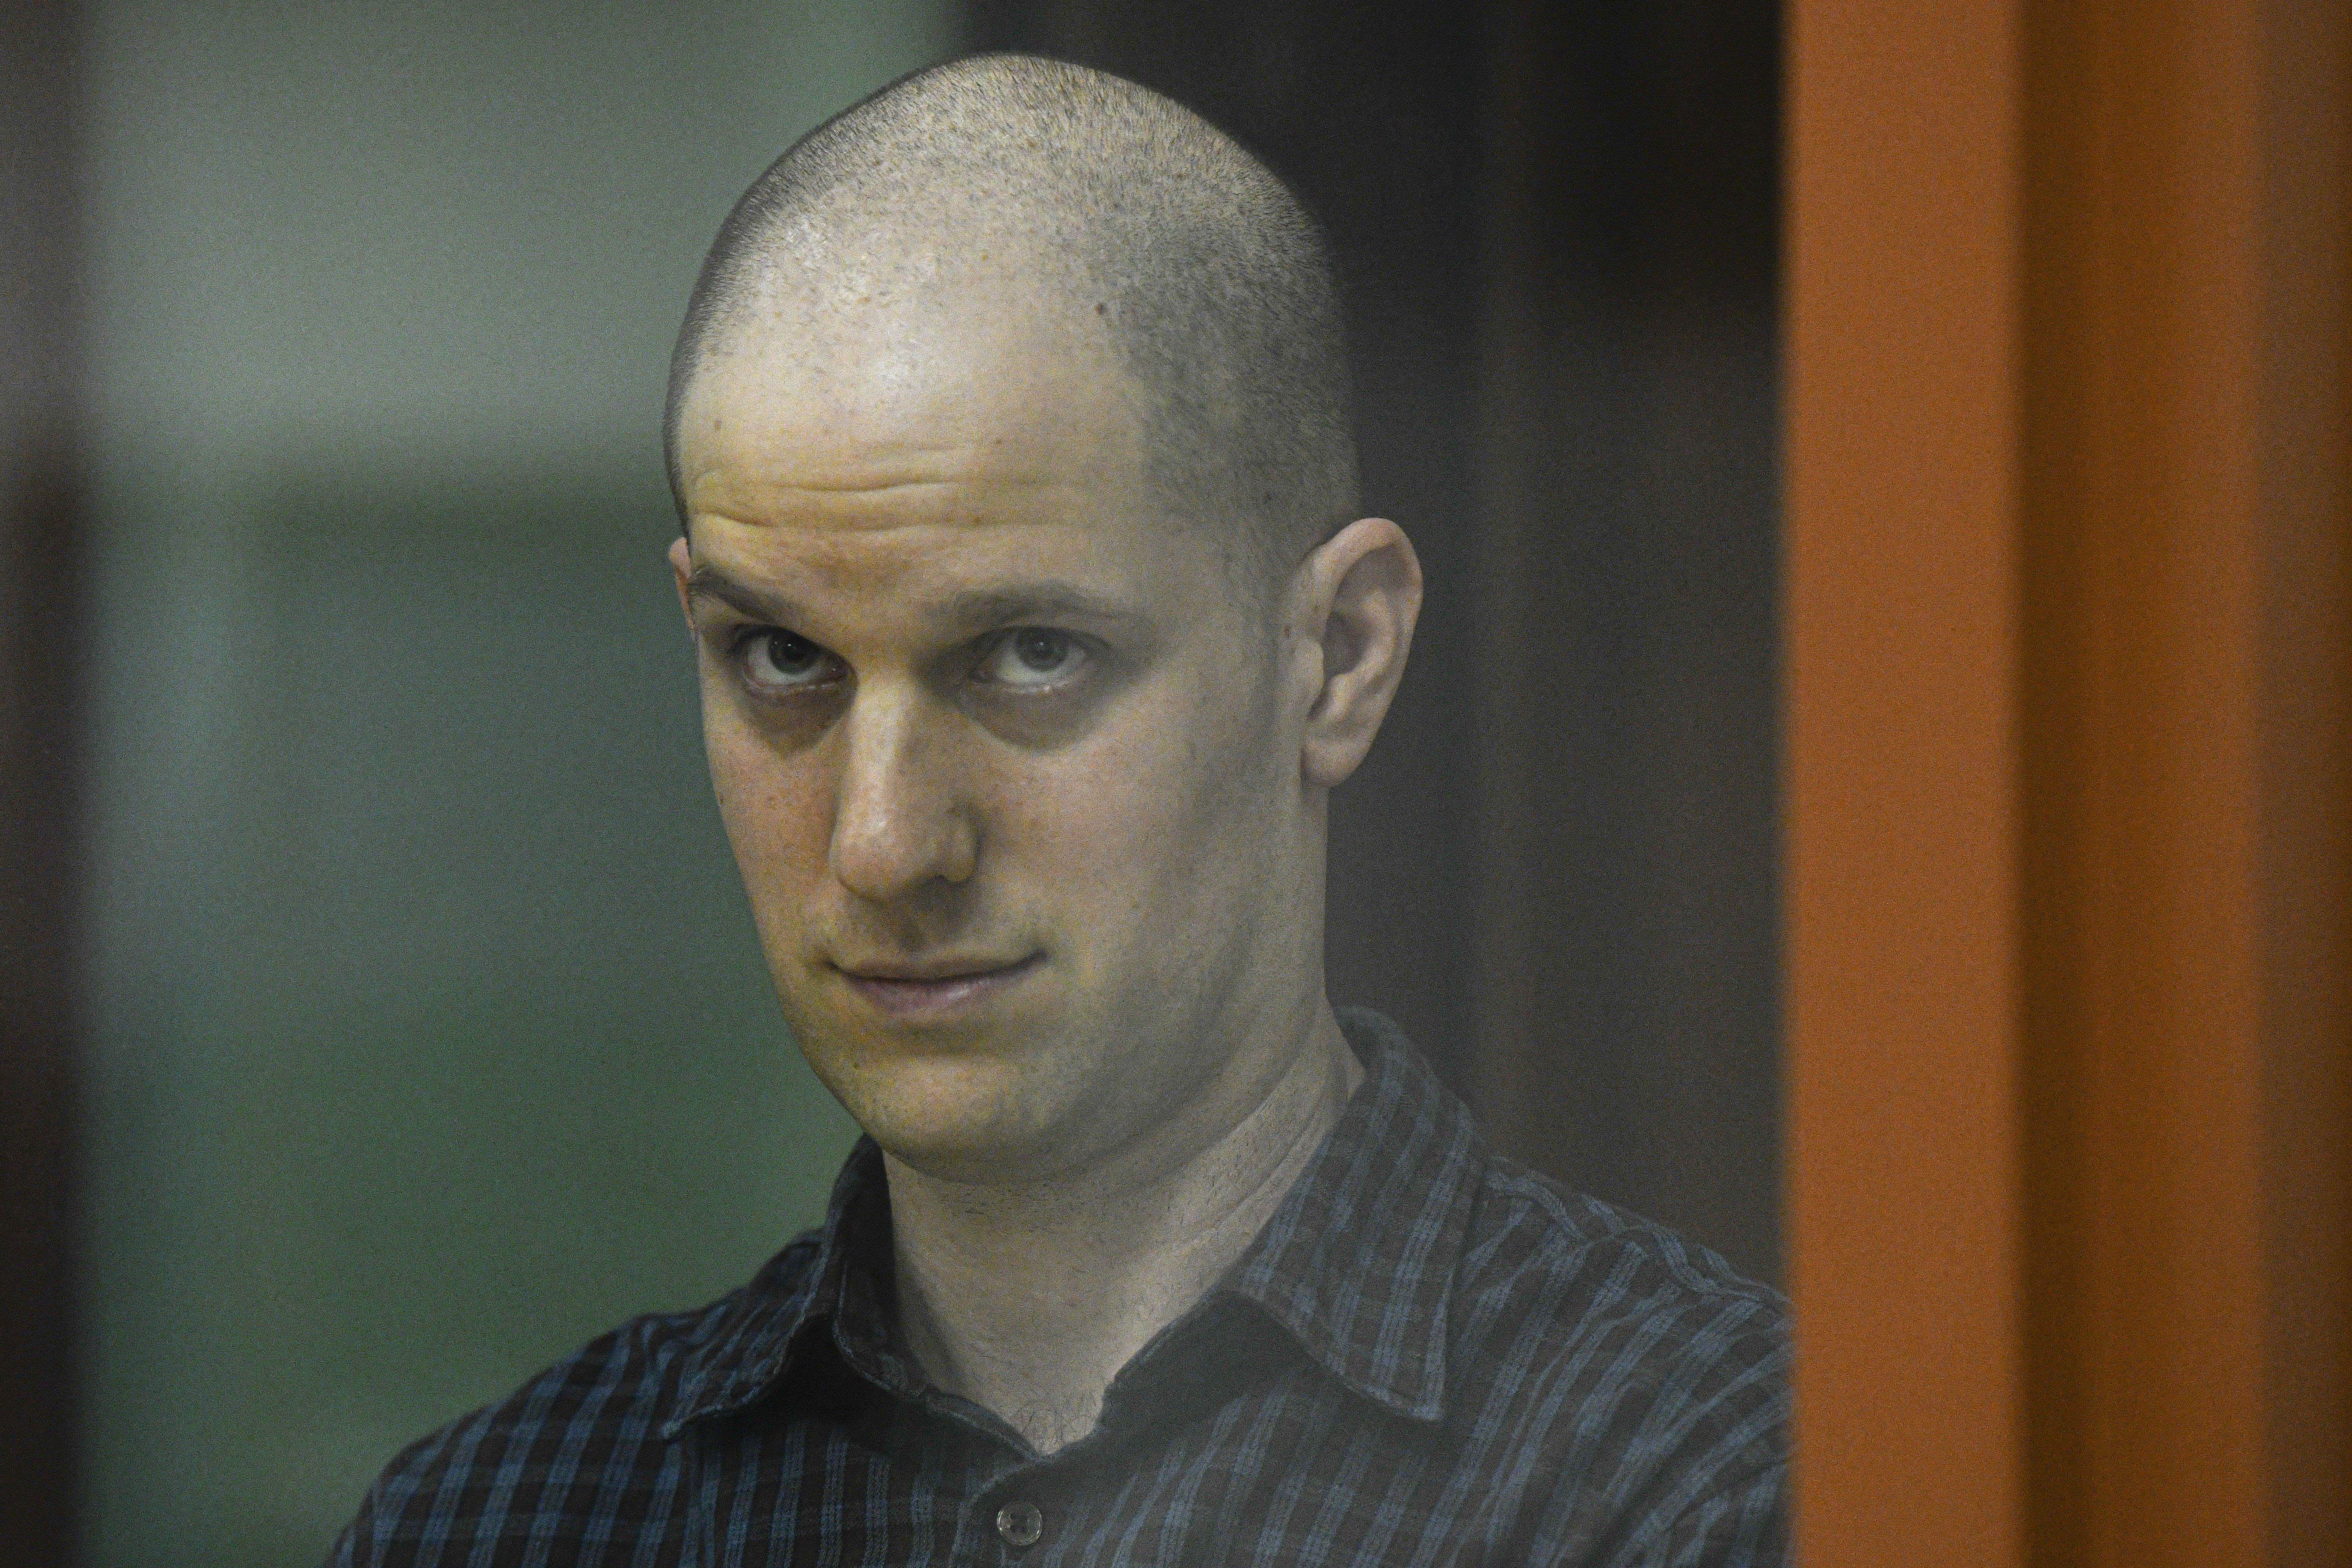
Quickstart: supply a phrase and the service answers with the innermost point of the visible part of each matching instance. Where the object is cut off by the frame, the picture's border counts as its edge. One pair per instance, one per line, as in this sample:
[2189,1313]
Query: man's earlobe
[1363,586]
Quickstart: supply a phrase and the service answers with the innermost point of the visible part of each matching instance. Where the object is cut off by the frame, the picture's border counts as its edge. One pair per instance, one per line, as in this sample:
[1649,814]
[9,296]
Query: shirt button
[1020,1523]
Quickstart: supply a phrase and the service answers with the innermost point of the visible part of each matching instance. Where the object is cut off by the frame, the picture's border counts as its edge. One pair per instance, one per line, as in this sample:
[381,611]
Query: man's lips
[923,990]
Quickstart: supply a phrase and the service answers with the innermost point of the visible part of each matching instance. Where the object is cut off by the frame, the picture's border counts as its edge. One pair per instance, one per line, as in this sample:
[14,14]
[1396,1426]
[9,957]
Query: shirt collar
[756,1332]
[1357,1265]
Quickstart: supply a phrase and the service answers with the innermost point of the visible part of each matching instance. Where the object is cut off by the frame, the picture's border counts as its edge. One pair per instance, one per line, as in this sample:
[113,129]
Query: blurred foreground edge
[2066,714]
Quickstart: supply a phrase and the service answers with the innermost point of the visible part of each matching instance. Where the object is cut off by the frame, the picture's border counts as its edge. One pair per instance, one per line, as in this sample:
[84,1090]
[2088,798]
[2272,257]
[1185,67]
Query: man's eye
[1032,659]
[779,661]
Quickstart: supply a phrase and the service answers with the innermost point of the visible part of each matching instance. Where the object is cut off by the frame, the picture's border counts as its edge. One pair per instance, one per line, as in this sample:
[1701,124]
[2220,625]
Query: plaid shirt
[1431,1355]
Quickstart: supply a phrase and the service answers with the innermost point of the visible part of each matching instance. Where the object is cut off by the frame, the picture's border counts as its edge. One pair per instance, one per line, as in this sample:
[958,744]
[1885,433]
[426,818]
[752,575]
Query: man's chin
[967,1134]
[937,1089]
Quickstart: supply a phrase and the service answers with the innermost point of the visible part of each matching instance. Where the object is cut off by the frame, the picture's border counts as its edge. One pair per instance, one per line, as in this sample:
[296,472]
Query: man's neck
[1029,1302]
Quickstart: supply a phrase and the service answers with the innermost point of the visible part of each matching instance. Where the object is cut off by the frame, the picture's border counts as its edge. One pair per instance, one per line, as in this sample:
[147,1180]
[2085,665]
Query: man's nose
[899,821]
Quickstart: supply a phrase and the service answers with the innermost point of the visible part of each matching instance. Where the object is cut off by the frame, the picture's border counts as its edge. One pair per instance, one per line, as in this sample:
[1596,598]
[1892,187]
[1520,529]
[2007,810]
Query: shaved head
[1117,211]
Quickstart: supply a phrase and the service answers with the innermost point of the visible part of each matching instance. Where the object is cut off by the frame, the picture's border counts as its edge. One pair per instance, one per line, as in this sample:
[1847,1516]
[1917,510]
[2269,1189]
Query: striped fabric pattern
[1431,1356]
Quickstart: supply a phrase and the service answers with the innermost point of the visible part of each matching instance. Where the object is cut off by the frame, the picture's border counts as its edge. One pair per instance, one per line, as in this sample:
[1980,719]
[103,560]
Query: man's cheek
[1123,827]
[776,815]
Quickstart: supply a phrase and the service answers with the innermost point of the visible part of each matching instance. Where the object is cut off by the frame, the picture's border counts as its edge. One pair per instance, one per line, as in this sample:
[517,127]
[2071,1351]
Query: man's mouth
[935,988]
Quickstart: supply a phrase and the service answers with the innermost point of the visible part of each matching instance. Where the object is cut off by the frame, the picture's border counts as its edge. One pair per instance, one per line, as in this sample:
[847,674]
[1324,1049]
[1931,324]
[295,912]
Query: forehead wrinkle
[953,550]
[731,491]
[822,451]
[872,510]
[845,484]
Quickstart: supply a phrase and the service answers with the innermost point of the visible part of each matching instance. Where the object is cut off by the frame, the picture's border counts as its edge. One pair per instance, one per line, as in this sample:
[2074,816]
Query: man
[1035,625]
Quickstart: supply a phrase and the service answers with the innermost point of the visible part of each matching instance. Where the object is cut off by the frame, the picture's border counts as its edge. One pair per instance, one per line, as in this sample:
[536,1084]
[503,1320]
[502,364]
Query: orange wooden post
[1902,658]
[2068,781]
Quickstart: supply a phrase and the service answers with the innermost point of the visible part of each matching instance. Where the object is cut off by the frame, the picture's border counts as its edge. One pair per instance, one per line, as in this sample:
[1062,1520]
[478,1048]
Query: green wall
[430,1033]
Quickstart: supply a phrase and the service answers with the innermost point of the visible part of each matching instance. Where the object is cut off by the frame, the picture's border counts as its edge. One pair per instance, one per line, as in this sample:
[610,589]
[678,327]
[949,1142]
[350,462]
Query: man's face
[1011,768]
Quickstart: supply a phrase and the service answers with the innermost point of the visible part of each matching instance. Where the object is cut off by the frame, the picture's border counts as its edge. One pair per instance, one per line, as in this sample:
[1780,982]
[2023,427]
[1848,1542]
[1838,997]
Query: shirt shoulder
[574,1449]
[1633,1359]
[1523,1228]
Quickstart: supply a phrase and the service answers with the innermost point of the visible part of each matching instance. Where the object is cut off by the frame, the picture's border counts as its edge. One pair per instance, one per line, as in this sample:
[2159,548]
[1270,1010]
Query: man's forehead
[768,464]
[834,410]
[889,310]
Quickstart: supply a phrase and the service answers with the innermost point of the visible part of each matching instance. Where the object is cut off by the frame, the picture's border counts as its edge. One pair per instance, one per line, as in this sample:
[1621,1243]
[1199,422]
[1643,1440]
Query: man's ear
[1358,596]
[682,561]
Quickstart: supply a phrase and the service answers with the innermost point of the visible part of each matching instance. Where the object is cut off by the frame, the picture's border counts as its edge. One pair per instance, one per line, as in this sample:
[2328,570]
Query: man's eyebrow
[1034,601]
[709,582]
[976,608]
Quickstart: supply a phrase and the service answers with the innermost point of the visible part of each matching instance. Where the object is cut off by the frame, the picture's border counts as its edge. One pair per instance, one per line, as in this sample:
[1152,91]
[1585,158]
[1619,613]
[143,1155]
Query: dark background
[1558,225]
